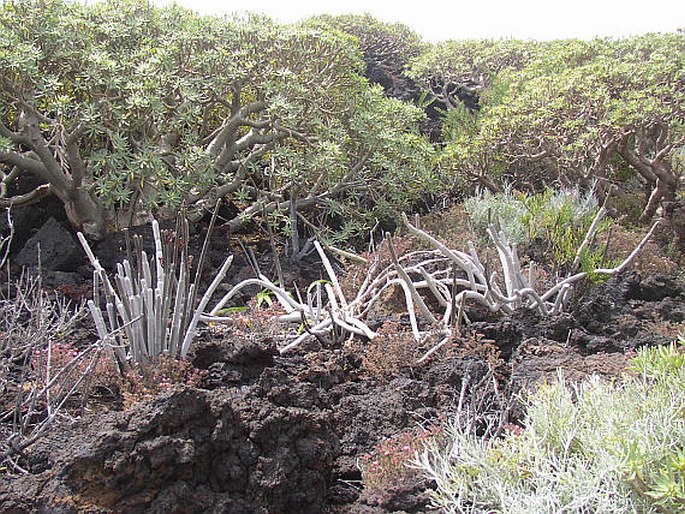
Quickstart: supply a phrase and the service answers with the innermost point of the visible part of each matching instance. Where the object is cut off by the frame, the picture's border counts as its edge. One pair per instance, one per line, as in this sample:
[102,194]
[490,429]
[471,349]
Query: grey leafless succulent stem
[449,277]
[150,308]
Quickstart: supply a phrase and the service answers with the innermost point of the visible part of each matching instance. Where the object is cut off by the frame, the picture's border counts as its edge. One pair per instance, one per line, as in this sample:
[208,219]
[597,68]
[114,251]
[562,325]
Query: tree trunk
[85,212]
[664,191]
[658,175]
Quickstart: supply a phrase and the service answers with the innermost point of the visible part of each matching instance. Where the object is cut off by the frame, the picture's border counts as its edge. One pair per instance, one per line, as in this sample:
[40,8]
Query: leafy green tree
[123,109]
[603,113]
[614,112]
[387,49]
[462,80]
[454,71]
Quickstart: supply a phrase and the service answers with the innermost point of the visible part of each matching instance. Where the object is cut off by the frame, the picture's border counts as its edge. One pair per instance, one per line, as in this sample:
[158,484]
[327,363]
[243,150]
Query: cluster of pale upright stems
[153,310]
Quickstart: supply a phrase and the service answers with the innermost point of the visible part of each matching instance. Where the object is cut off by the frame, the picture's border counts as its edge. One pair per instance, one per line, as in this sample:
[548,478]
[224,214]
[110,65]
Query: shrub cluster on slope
[556,220]
[605,112]
[122,109]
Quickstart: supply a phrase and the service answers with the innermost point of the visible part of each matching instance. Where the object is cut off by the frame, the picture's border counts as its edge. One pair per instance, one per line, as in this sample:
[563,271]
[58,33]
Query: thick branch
[641,164]
[227,133]
[76,165]
[52,170]
[13,136]
[25,163]
[251,139]
[29,198]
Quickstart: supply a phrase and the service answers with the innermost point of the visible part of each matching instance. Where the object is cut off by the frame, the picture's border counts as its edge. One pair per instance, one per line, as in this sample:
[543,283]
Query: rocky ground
[265,433]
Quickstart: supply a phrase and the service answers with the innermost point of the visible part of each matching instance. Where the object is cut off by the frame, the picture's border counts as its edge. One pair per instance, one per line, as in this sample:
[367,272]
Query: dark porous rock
[605,302]
[542,360]
[621,314]
[188,450]
[506,333]
[657,287]
[365,415]
[59,250]
[672,309]
[28,219]
[234,360]
[588,344]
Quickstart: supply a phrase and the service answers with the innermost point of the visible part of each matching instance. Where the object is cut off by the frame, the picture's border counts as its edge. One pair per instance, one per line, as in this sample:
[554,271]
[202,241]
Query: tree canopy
[125,110]
[122,108]
[601,113]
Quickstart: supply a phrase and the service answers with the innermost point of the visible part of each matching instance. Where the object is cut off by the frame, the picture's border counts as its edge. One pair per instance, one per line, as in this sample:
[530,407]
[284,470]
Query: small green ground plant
[597,446]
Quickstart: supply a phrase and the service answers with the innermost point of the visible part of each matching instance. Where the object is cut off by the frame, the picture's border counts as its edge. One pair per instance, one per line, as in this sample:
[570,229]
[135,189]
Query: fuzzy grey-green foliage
[597,446]
[523,217]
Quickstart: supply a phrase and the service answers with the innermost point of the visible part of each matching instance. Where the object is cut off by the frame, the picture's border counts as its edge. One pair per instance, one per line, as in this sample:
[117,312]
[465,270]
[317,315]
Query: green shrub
[604,447]
[567,111]
[556,219]
[504,209]
[157,107]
